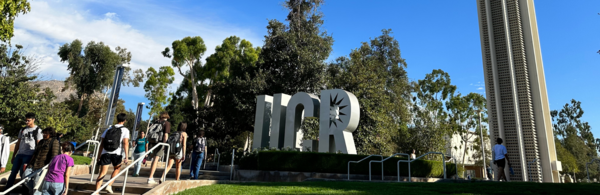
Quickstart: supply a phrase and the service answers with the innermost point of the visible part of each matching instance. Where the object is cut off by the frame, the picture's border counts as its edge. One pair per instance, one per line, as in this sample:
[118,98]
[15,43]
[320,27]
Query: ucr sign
[278,120]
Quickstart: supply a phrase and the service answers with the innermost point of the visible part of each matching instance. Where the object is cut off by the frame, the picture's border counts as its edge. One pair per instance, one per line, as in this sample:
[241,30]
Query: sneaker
[109,189]
[151,181]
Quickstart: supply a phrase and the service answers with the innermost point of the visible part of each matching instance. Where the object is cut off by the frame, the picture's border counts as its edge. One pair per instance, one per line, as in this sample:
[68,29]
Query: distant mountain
[56,86]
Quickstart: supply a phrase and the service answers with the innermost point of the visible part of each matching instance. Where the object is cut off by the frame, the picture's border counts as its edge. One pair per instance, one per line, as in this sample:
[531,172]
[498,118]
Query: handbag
[144,161]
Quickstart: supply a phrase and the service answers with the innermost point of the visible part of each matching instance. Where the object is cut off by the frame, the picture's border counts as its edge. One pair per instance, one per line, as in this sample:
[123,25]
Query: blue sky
[432,35]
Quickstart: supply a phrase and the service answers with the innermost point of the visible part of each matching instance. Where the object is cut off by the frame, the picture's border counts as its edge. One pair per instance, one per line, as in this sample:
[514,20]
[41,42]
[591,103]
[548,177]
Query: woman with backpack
[59,172]
[141,149]
[199,147]
[177,142]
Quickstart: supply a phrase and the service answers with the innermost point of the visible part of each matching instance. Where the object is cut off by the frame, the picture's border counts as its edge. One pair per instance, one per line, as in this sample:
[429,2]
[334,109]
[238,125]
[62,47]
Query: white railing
[23,180]
[381,161]
[455,167]
[528,170]
[588,170]
[28,177]
[365,158]
[409,161]
[218,160]
[231,166]
[127,171]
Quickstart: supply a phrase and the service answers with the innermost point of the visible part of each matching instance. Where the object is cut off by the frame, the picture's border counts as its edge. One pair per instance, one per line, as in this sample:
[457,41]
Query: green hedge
[338,163]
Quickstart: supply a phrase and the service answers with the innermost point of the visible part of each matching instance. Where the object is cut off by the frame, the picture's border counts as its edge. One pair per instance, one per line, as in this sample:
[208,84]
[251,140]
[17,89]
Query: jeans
[196,163]
[35,180]
[19,160]
[53,188]
[138,165]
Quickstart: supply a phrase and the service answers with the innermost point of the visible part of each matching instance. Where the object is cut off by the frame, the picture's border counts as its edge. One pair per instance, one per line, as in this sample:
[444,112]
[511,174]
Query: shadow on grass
[323,187]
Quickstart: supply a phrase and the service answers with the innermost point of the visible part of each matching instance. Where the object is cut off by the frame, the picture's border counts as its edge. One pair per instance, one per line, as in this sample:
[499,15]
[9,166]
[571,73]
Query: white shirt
[499,152]
[4,150]
[124,135]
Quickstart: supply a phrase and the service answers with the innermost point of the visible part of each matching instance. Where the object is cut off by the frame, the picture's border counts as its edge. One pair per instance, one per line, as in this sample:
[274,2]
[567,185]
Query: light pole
[482,146]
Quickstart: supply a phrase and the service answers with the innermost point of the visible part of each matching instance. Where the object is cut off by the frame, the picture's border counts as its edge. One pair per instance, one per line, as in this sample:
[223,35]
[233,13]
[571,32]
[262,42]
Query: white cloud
[53,23]
[480,88]
[110,15]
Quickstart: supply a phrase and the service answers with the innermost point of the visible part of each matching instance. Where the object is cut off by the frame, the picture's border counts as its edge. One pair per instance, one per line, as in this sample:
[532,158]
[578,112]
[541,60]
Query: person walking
[114,140]
[199,148]
[413,155]
[178,142]
[158,133]
[45,150]
[56,181]
[4,150]
[499,156]
[141,149]
[26,142]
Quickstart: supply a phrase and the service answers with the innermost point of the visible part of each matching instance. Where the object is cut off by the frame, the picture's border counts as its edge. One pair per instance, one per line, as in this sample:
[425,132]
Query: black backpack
[112,139]
[174,142]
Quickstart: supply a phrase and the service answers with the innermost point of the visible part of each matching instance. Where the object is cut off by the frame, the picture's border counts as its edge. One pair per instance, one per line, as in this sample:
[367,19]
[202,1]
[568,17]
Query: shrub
[338,163]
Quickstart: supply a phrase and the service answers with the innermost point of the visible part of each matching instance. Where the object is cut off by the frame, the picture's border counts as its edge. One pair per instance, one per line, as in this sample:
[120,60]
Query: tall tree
[10,10]
[375,74]
[430,123]
[574,135]
[293,56]
[188,52]
[156,87]
[228,61]
[92,68]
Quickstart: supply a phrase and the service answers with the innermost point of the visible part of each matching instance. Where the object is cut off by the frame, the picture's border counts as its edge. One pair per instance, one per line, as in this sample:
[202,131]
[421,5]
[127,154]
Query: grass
[393,188]
[81,160]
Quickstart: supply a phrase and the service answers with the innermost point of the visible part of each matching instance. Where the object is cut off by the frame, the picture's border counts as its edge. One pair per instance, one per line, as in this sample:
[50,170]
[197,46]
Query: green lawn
[394,188]
[81,160]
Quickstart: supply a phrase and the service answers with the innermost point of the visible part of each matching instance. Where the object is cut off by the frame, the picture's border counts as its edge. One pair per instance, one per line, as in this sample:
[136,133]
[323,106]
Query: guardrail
[409,161]
[528,170]
[381,161]
[231,166]
[455,167]
[365,158]
[127,171]
[588,170]
[218,160]
[28,177]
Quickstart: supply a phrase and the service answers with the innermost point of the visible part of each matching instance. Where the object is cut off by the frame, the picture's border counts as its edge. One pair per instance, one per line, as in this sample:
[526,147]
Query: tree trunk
[194,91]
[80,104]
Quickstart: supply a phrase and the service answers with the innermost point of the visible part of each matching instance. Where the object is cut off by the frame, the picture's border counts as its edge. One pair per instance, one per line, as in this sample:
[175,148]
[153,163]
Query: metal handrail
[127,171]
[528,170]
[588,170]
[409,161]
[14,142]
[28,177]
[381,161]
[231,166]
[365,158]
[23,180]
[219,160]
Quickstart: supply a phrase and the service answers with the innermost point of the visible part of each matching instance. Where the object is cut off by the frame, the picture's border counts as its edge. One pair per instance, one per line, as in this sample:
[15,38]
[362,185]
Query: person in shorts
[113,157]
[179,156]
[500,158]
[159,153]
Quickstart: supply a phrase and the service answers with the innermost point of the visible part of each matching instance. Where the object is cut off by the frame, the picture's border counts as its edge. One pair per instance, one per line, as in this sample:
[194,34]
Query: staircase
[80,184]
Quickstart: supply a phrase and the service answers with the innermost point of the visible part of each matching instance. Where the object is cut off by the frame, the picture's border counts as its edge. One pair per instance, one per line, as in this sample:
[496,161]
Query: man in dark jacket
[45,150]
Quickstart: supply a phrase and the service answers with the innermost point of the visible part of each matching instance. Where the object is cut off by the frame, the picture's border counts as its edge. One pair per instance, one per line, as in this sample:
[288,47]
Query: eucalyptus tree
[188,52]
[431,122]
[92,68]
[156,87]
[228,61]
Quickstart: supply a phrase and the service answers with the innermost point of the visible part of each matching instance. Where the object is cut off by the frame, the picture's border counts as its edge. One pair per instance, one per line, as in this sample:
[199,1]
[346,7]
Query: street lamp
[482,146]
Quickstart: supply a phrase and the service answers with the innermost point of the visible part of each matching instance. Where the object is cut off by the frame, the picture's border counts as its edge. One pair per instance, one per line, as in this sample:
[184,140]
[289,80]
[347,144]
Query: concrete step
[88,192]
